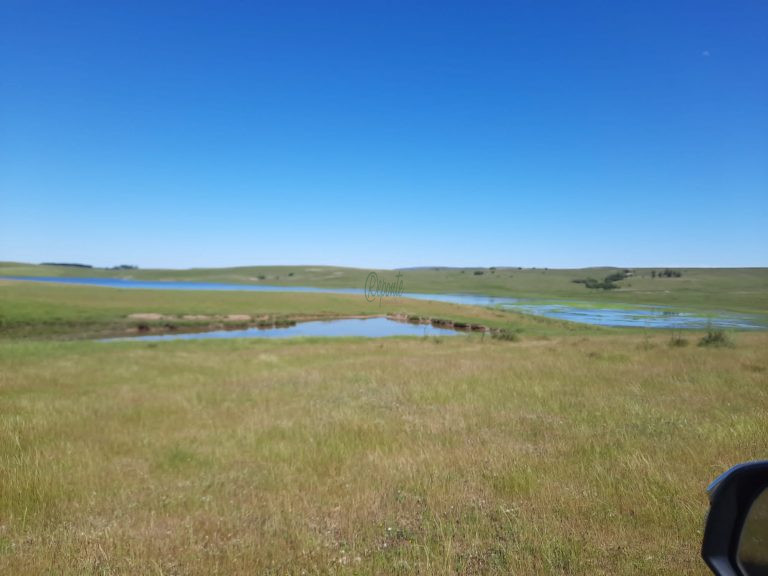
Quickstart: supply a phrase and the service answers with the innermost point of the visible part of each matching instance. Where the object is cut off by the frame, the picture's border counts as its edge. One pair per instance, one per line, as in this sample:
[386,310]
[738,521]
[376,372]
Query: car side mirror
[736,535]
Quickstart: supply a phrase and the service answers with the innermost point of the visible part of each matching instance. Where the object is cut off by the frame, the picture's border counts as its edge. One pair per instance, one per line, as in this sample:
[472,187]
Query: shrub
[715,337]
[677,341]
[616,277]
[667,273]
[505,335]
[606,284]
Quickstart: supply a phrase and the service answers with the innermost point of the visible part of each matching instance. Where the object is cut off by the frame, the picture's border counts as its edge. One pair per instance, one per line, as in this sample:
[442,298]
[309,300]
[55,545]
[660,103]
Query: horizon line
[75,264]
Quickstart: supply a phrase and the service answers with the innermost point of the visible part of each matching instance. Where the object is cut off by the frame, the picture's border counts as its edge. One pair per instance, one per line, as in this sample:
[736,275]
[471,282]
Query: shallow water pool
[342,327]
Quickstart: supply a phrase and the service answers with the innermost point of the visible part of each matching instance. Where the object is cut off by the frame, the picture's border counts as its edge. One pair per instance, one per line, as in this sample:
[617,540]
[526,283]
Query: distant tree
[608,283]
[667,273]
[71,264]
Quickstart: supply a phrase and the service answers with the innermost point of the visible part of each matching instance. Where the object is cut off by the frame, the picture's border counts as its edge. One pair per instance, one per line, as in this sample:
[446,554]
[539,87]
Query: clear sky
[384,134]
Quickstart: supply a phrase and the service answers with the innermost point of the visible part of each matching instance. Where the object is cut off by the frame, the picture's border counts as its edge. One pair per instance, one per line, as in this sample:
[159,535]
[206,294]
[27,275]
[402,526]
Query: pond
[587,313]
[342,327]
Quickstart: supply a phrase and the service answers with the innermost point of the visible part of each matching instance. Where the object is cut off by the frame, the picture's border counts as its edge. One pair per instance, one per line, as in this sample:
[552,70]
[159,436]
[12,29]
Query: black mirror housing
[731,496]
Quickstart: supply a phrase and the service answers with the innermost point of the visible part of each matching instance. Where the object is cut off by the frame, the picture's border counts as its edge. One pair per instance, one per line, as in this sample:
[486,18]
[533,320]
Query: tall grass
[573,455]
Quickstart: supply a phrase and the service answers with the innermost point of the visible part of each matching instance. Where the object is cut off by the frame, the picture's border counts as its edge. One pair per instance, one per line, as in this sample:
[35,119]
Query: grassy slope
[28,309]
[737,289]
[570,456]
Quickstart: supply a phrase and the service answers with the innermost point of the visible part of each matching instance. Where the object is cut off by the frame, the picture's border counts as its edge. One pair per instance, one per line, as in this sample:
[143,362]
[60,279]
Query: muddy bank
[149,323]
[453,325]
[153,323]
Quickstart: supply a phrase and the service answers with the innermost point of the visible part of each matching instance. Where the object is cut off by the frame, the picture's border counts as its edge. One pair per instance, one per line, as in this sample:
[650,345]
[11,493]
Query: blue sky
[383,134]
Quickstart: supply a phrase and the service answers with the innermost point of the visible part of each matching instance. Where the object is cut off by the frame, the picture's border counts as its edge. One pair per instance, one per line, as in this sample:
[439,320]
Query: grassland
[734,289]
[572,455]
[36,310]
[574,450]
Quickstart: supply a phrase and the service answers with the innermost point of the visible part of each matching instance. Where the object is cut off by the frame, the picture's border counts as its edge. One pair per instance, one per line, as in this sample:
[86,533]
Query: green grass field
[736,289]
[573,450]
[573,455]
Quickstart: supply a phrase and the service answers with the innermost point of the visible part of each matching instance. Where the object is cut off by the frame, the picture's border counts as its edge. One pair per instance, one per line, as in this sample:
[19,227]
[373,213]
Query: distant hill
[738,289]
